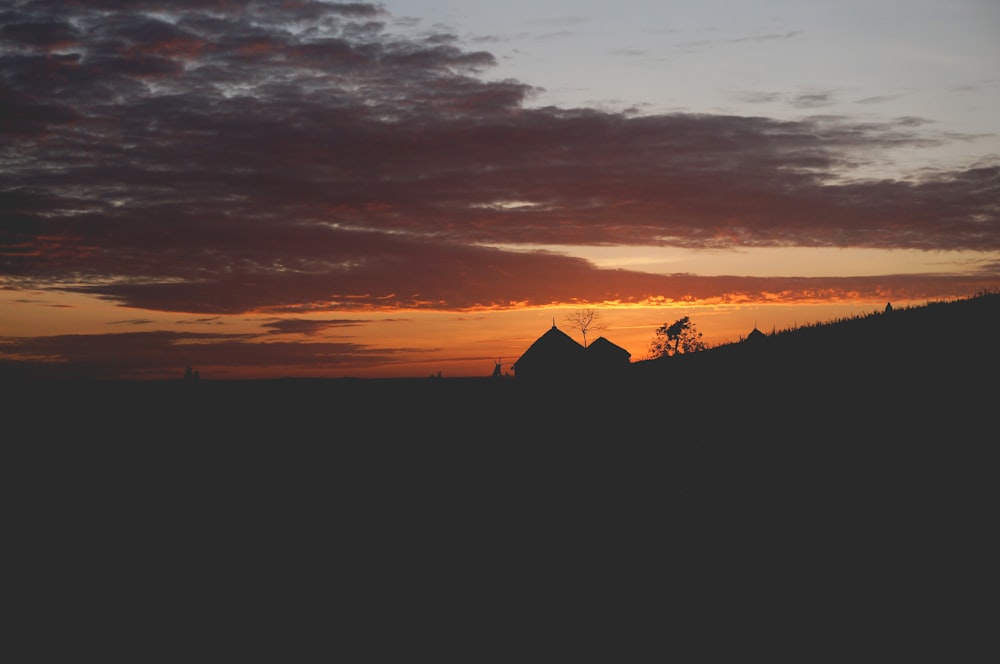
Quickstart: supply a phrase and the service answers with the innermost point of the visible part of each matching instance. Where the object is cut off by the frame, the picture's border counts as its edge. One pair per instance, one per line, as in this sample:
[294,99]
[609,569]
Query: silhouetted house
[555,356]
[607,359]
[755,335]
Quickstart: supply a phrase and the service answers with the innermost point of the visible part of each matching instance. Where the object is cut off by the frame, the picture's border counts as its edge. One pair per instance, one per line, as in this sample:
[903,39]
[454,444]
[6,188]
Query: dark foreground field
[826,497]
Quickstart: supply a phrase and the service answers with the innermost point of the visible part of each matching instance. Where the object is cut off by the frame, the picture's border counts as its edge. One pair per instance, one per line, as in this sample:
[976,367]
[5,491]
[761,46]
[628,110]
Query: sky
[420,187]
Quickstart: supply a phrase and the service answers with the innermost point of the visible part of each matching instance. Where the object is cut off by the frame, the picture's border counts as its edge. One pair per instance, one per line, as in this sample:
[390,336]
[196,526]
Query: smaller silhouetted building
[607,359]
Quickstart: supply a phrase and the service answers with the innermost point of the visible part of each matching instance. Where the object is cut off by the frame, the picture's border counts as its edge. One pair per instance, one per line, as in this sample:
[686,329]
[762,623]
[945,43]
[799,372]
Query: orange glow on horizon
[388,343]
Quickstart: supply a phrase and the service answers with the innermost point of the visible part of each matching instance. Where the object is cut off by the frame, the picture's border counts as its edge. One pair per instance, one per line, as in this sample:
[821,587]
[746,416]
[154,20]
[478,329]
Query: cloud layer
[233,156]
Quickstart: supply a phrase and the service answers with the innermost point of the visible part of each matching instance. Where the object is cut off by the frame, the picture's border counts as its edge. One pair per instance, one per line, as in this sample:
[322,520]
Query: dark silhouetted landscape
[884,374]
[846,460]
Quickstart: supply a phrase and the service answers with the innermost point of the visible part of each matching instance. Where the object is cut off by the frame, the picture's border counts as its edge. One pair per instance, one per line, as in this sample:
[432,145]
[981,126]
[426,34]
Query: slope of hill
[938,353]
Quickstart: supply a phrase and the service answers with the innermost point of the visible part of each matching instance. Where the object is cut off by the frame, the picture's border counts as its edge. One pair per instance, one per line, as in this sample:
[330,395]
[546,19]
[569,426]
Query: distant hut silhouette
[755,336]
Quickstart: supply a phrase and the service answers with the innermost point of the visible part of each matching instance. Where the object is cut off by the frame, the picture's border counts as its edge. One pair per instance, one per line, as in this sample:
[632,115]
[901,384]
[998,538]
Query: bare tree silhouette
[585,320]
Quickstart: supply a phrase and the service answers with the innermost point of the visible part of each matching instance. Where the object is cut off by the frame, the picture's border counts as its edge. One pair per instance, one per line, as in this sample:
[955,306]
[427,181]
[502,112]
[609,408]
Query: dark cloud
[48,34]
[308,327]
[160,354]
[228,157]
[134,321]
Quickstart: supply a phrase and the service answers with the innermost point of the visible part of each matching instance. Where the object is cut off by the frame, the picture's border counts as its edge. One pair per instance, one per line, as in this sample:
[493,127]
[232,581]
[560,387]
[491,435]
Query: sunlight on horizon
[772,261]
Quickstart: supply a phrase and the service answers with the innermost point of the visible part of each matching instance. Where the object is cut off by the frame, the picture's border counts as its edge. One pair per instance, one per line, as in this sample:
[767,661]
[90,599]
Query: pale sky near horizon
[320,188]
[935,62]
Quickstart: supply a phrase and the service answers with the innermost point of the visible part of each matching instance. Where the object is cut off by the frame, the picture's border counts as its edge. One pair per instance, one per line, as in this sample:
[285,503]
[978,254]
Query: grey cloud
[760,97]
[812,99]
[877,99]
[768,37]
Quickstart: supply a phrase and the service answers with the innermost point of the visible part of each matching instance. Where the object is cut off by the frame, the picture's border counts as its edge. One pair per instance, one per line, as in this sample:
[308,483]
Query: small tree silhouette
[585,320]
[676,339]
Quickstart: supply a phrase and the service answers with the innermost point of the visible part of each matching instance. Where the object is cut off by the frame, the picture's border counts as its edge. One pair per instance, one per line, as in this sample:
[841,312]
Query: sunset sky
[268,189]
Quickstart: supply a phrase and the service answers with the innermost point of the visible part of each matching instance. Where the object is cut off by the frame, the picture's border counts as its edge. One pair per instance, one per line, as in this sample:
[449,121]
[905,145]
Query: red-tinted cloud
[227,157]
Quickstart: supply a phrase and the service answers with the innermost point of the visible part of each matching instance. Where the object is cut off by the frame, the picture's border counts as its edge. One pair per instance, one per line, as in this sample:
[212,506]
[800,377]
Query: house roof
[605,347]
[553,342]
